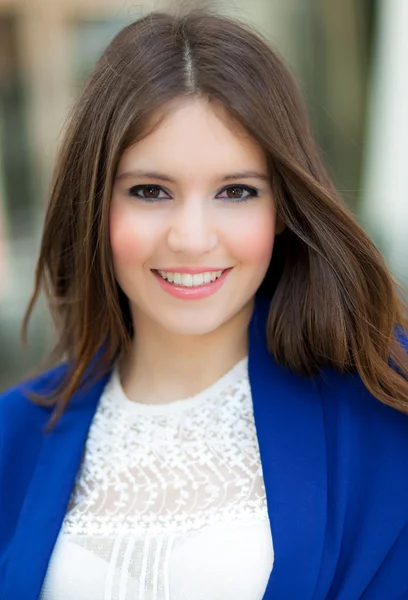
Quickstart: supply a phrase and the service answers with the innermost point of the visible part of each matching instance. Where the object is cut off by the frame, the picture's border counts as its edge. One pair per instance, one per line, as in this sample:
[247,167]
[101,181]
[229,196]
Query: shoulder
[354,416]
[16,407]
[349,390]
[42,383]
[22,434]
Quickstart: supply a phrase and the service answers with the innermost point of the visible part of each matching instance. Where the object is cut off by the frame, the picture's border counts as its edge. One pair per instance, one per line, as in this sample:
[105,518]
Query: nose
[193,230]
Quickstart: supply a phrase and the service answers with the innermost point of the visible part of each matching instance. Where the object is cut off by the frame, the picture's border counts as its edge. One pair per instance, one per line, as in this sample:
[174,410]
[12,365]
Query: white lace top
[169,502]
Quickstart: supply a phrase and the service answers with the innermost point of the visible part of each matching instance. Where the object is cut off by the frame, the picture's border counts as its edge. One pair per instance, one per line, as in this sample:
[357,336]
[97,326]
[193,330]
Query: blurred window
[90,38]
[17,185]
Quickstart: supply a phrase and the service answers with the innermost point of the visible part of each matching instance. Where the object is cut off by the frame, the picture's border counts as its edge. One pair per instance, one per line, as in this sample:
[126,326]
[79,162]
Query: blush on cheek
[258,248]
[126,237]
[256,241]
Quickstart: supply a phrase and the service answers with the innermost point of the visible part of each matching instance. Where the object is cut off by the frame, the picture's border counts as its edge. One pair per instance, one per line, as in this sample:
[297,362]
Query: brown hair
[334,301]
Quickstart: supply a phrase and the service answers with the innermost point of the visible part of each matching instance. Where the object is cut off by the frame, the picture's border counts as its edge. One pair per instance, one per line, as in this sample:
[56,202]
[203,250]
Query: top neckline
[238,372]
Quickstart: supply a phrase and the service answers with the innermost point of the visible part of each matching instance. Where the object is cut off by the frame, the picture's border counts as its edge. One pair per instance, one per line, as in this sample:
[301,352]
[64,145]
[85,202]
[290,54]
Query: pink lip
[193,293]
[192,271]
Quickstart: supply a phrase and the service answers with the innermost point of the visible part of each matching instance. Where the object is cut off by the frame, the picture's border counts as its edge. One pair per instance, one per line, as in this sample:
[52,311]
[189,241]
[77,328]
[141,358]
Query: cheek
[128,238]
[254,238]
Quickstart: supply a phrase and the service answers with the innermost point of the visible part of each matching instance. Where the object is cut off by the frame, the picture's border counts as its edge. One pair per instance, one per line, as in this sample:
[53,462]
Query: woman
[226,416]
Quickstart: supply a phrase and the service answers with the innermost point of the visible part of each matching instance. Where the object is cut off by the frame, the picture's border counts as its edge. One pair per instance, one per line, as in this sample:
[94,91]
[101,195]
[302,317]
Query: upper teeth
[189,280]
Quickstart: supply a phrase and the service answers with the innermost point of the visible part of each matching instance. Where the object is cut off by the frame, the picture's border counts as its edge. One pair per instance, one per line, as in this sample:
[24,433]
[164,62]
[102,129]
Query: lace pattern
[168,468]
[169,502]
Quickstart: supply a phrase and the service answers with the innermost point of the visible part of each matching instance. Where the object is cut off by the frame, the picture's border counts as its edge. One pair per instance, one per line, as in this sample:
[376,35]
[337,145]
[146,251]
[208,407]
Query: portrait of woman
[224,415]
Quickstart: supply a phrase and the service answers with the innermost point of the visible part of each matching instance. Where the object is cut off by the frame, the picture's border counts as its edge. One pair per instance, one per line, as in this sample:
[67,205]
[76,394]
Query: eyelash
[252,192]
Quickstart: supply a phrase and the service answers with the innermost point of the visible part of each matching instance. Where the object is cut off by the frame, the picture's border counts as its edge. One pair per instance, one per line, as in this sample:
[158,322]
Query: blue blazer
[335,466]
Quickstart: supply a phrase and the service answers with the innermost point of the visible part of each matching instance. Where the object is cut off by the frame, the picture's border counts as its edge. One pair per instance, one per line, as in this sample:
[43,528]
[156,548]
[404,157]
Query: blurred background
[350,56]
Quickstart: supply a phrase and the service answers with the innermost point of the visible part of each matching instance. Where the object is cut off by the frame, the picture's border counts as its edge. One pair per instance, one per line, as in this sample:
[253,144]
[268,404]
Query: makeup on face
[192,218]
[191,284]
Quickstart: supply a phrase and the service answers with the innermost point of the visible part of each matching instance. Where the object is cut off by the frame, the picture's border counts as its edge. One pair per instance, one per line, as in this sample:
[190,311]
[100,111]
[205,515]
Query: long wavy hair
[333,300]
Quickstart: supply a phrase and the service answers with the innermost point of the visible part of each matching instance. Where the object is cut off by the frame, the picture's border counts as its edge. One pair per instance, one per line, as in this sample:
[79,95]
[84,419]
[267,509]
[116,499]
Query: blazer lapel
[291,437]
[48,497]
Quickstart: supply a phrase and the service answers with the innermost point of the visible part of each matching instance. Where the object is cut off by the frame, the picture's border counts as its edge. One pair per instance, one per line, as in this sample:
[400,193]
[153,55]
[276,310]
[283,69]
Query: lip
[192,271]
[192,293]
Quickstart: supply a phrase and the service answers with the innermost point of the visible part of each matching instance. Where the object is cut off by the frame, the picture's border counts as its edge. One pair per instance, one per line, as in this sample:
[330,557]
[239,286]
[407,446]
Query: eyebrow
[163,177]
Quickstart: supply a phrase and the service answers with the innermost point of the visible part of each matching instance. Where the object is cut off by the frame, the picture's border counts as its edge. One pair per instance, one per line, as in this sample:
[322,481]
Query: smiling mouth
[190,280]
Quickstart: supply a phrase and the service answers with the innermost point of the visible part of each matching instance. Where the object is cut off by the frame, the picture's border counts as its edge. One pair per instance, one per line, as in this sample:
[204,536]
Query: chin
[193,326]
[188,318]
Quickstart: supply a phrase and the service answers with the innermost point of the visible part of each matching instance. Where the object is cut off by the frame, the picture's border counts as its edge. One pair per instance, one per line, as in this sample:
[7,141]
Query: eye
[235,192]
[150,193]
[147,192]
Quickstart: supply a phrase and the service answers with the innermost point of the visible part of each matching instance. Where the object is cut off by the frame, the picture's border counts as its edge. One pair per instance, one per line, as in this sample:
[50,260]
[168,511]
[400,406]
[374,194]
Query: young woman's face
[191,200]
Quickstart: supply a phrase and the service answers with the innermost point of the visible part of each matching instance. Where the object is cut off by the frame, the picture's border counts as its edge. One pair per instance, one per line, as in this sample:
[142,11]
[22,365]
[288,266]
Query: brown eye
[151,192]
[147,192]
[235,192]
[239,192]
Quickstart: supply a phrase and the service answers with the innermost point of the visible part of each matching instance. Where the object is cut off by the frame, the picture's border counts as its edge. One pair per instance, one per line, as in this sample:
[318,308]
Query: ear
[279,225]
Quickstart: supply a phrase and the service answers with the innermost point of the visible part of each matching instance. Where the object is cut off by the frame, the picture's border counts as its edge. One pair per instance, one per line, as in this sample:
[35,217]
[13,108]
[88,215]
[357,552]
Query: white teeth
[198,279]
[189,280]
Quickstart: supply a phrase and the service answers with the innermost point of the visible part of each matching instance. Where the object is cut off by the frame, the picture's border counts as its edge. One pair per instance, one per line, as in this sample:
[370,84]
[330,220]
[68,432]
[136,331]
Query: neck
[163,366]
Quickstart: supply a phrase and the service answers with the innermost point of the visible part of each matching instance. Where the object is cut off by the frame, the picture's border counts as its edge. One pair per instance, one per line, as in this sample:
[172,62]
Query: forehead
[194,134]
